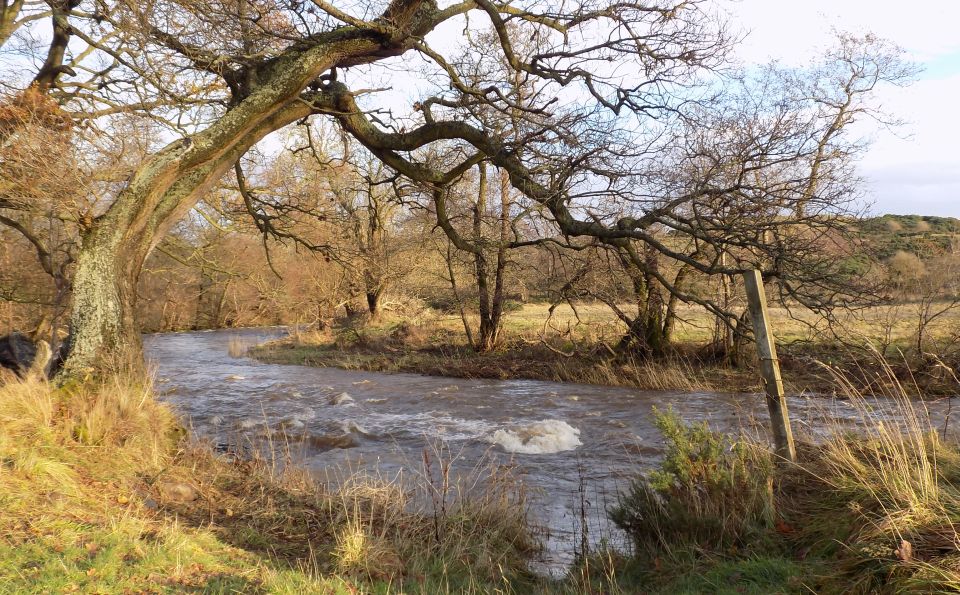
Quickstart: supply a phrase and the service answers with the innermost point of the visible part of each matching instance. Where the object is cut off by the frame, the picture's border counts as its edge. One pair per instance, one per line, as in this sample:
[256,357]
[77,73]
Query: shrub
[710,492]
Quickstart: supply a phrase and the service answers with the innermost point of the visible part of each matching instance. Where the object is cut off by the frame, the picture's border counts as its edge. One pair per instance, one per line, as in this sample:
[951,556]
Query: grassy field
[574,346]
[895,324]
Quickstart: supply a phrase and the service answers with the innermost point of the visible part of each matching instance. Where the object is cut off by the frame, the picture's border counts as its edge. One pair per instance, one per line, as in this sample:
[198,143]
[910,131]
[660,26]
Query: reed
[238,347]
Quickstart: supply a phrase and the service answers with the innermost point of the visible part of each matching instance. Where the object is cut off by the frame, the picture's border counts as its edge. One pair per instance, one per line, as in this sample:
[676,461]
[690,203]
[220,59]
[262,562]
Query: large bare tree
[627,133]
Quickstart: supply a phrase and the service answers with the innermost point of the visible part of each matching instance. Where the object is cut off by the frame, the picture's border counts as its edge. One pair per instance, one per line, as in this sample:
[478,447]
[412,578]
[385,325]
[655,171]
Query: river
[574,445]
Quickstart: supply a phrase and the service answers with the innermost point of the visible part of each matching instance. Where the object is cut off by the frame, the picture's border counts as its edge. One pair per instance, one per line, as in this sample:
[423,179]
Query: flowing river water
[573,445]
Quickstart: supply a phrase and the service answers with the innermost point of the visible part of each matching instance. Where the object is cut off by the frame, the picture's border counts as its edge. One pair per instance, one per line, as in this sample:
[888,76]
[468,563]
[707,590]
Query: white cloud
[793,31]
[914,169]
[917,168]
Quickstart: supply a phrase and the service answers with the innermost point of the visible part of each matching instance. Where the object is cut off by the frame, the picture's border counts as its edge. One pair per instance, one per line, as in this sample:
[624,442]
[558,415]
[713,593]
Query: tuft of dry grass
[667,374]
[237,347]
[84,424]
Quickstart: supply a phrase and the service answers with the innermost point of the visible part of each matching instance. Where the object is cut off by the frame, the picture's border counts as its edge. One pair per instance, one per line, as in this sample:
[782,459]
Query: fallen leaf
[905,551]
[783,528]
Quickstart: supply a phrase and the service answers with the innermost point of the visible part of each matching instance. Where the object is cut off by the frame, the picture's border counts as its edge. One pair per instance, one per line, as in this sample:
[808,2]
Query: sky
[914,169]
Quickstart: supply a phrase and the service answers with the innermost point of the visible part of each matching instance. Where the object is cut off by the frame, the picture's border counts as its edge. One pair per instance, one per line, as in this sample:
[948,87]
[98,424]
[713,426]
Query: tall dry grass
[88,464]
[660,375]
[238,347]
[893,454]
[893,482]
[871,506]
[116,426]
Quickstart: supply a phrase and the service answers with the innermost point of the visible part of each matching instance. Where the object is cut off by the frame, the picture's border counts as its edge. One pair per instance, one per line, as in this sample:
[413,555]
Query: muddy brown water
[575,446]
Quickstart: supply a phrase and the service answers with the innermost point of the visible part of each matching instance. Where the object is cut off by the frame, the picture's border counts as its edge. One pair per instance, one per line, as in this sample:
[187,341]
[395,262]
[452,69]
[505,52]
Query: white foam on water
[376,401]
[246,424]
[352,427]
[542,437]
[236,377]
[292,423]
[341,399]
[428,424]
[455,428]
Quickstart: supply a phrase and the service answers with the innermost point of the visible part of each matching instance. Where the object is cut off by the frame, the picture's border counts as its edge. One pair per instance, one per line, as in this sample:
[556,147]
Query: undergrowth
[707,493]
[873,510]
[100,492]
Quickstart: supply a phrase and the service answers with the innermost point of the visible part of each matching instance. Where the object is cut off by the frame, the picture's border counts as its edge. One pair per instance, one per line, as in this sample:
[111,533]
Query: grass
[237,347]
[568,346]
[431,348]
[101,493]
[873,511]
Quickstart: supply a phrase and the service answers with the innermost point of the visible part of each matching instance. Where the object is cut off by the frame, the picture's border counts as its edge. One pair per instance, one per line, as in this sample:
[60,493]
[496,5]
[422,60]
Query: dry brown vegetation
[562,345]
[102,492]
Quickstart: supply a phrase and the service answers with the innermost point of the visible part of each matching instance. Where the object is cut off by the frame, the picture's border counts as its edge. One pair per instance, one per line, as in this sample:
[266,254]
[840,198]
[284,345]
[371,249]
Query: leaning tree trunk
[165,188]
[170,182]
[103,321]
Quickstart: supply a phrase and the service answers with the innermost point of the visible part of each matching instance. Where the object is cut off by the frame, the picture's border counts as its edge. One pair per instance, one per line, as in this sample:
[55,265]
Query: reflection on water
[574,444]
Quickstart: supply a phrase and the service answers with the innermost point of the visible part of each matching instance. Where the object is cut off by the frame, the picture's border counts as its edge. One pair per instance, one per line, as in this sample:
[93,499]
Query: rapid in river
[573,445]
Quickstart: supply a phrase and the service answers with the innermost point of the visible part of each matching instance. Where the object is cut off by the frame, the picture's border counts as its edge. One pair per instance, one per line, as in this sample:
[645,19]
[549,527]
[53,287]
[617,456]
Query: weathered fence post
[769,367]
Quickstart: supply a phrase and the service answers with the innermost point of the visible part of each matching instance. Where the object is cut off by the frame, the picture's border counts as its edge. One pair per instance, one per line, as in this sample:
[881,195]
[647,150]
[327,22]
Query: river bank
[431,347]
[381,351]
[102,491]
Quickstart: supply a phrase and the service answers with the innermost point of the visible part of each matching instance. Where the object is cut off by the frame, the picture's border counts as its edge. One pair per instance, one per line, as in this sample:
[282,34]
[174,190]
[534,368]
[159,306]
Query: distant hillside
[917,234]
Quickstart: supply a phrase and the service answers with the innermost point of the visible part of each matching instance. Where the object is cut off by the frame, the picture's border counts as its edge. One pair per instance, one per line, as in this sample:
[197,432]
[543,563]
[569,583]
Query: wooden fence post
[769,367]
